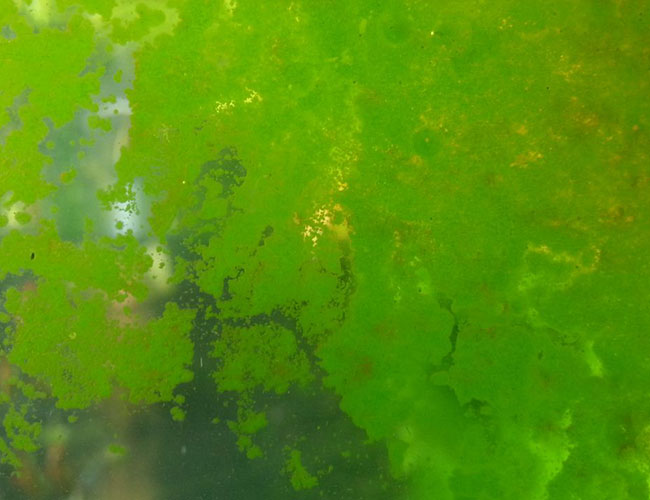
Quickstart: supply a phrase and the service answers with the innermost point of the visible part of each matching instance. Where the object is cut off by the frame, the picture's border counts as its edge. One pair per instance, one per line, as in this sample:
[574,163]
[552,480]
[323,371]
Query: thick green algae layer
[442,206]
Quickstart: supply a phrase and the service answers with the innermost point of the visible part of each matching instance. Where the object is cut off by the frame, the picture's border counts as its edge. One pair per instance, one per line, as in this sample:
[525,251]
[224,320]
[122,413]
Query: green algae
[434,209]
[301,479]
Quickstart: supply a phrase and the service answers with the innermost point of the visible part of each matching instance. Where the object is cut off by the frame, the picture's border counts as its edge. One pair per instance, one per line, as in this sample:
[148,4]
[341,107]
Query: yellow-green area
[436,209]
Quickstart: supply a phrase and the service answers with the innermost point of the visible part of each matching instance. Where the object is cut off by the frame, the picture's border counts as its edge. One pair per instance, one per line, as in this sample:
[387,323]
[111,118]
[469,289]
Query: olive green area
[436,210]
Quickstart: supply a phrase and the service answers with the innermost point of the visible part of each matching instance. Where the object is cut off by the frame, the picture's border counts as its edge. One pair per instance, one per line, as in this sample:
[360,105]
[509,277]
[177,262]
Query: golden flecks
[223,106]
[253,96]
[343,159]
[524,159]
[505,24]
[589,120]
[579,264]
[323,218]
[616,214]
[291,7]
[569,72]
[312,233]
[343,155]
[522,130]
[539,249]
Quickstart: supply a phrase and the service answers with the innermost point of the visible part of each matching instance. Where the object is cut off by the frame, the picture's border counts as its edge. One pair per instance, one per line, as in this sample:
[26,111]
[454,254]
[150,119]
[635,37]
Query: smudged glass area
[324,250]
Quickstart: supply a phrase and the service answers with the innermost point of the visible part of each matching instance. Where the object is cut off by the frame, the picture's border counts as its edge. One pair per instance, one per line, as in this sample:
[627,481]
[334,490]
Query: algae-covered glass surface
[325,249]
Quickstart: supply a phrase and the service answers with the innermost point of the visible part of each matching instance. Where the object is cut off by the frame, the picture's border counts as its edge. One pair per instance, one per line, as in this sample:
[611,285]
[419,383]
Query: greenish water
[324,249]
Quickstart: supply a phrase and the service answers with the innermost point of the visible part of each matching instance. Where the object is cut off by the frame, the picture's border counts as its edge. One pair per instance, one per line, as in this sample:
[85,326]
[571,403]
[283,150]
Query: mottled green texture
[248,423]
[45,66]
[21,433]
[278,361]
[66,329]
[437,209]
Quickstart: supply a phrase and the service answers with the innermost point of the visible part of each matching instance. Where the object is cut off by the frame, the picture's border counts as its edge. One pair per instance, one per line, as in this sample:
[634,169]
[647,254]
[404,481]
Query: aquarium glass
[324,249]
